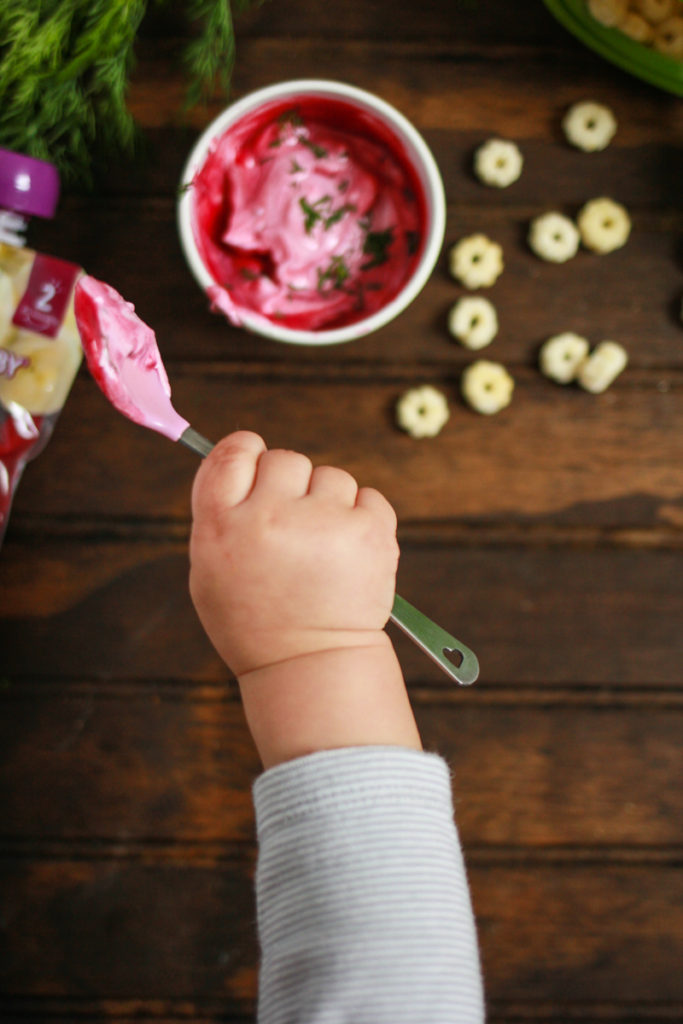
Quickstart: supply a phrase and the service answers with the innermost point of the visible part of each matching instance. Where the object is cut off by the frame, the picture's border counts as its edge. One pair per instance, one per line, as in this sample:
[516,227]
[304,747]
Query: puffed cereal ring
[562,355]
[487,387]
[602,367]
[655,11]
[498,163]
[554,237]
[476,261]
[637,28]
[604,225]
[422,412]
[608,12]
[473,321]
[669,37]
[589,126]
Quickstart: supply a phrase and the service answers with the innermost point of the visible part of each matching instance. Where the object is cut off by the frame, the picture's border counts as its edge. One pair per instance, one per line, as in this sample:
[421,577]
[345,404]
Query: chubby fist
[286,559]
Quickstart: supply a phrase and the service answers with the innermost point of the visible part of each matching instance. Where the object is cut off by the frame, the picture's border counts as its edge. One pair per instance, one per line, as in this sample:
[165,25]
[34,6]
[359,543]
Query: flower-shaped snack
[422,411]
[554,237]
[476,261]
[608,12]
[636,27]
[487,387]
[589,126]
[668,38]
[604,225]
[473,321]
[602,367]
[655,11]
[498,163]
[562,355]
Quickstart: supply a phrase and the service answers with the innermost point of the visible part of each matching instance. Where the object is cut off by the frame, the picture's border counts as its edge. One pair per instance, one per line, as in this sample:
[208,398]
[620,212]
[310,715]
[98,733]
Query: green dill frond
[65,67]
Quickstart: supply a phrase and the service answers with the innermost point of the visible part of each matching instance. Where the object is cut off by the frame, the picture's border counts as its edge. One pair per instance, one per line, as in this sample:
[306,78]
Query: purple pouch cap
[28,185]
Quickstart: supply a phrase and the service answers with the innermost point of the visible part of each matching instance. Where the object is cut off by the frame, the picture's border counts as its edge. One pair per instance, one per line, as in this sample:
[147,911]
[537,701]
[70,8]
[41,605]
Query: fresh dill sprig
[65,67]
[210,57]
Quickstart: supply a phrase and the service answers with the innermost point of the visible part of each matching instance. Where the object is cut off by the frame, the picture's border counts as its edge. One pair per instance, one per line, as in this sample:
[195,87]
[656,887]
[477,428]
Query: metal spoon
[436,643]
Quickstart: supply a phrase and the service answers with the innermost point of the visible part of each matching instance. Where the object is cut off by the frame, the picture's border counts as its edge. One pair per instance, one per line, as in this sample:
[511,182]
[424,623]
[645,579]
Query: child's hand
[287,560]
[292,574]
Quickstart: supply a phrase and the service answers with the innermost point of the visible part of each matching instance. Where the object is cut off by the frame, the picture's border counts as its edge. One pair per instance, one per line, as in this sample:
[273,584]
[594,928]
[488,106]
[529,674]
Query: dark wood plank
[129,766]
[555,455]
[571,934]
[36,1010]
[114,929]
[592,295]
[549,539]
[460,23]
[448,86]
[552,617]
[125,929]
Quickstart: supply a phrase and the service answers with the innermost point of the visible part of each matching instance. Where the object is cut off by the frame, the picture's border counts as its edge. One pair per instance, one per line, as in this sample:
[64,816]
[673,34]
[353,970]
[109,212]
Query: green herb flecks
[311,213]
[292,117]
[335,217]
[322,210]
[334,276]
[318,151]
[377,245]
[64,71]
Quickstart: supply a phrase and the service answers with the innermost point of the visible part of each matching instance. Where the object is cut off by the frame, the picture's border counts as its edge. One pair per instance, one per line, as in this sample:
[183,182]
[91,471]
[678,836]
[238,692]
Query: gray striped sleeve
[364,912]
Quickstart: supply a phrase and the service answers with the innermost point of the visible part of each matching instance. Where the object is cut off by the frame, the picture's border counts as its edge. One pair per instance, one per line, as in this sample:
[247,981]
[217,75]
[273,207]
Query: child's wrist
[338,697]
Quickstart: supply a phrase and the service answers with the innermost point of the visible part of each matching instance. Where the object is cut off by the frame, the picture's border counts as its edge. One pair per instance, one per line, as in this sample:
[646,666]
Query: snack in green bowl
[654,59]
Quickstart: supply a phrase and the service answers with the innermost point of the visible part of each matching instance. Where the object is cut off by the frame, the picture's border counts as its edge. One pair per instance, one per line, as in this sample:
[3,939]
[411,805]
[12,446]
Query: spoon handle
[436,643]
[201,445]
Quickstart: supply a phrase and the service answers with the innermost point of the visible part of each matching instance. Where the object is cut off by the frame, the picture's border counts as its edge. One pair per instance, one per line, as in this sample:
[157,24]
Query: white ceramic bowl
[409,142]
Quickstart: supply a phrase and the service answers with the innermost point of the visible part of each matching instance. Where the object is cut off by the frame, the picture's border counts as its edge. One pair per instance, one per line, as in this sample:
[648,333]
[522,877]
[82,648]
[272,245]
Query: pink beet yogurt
[122,354]
[307,213]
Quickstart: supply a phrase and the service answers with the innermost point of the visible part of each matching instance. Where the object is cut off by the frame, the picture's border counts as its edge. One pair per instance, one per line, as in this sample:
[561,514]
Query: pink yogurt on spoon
[122,355]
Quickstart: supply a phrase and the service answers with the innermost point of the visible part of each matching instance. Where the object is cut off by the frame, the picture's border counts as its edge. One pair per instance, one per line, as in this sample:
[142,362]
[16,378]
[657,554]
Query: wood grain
[131,767]
[550,539]
[544,930]
[614,614]
[554,456]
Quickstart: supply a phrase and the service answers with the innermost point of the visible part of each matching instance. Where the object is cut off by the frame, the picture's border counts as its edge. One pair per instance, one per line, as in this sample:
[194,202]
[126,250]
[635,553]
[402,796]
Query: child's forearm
[350,696]
[362,899]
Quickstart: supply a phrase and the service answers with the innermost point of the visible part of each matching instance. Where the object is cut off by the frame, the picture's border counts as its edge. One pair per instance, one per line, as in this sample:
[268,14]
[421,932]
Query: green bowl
[653,67]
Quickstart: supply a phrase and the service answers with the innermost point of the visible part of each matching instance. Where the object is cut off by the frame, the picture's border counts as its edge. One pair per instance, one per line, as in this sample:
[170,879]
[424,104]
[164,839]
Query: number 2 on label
[44,300]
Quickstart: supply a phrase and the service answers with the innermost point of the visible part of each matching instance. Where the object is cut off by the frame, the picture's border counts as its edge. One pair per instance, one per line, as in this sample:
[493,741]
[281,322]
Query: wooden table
[549,538]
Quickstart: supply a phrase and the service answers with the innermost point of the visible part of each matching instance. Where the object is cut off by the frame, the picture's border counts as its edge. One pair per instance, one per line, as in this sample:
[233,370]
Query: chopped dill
[335,275]
[292,117]
[376,246]
[321,210]
[338,214]
[311,215]
[318,151]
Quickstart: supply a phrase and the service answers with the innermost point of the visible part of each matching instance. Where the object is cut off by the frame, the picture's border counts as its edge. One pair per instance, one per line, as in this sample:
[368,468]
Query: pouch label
[44,303]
